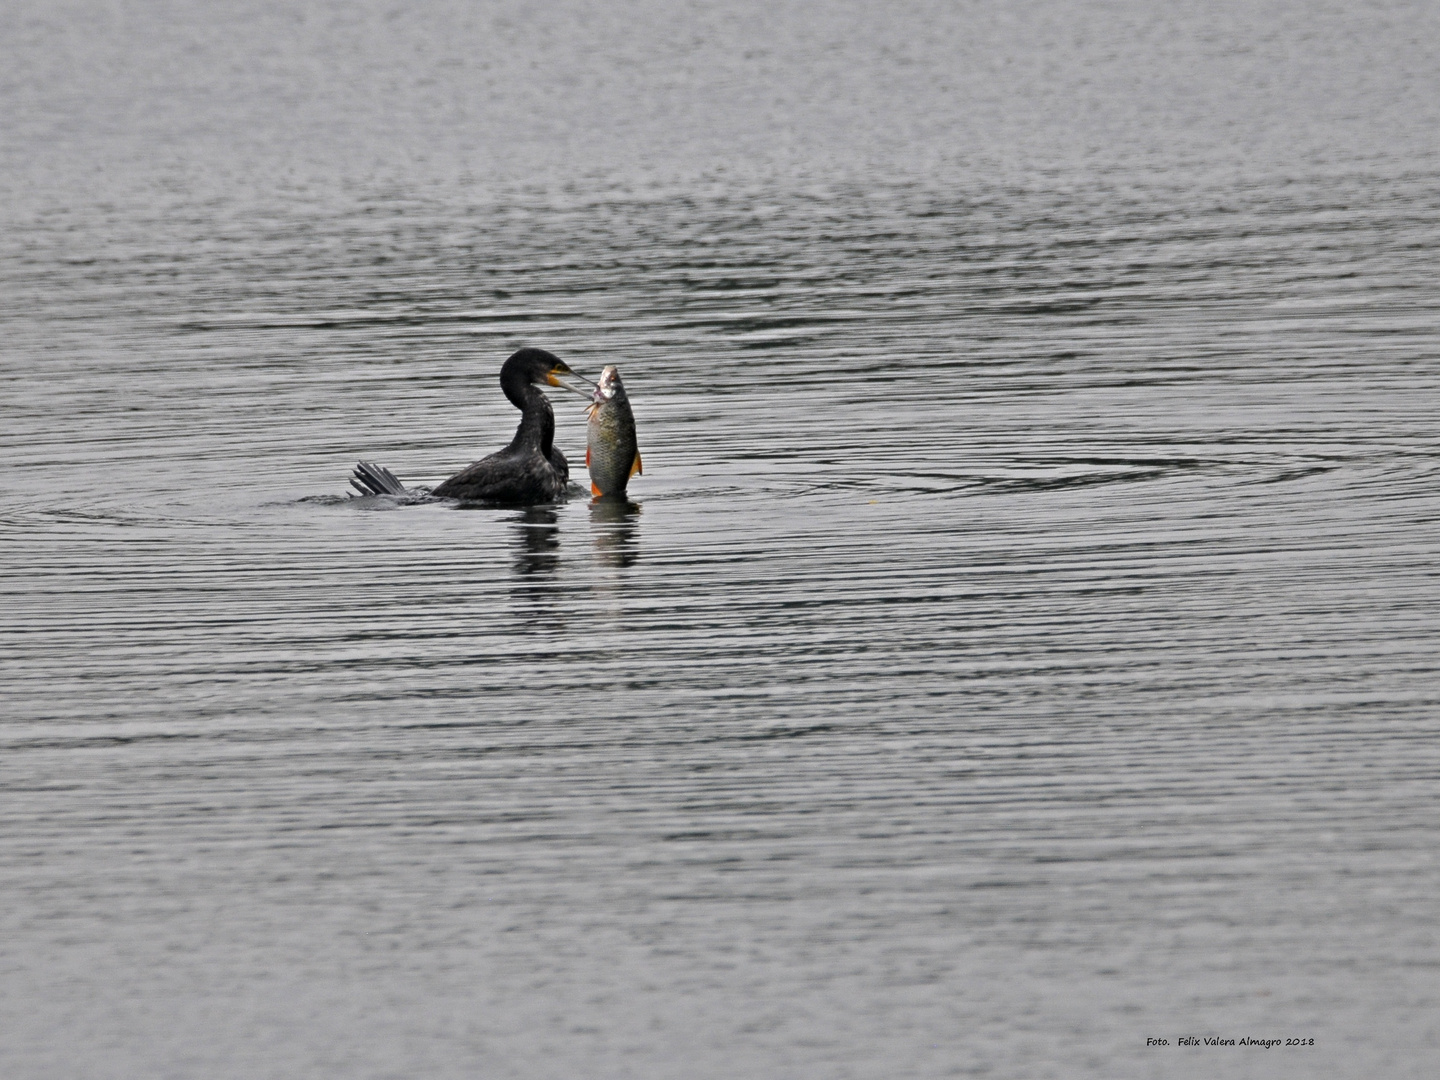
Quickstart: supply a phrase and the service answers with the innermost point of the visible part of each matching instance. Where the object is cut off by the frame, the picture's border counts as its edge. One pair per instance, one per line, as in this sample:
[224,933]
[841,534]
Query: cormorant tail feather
[372,479]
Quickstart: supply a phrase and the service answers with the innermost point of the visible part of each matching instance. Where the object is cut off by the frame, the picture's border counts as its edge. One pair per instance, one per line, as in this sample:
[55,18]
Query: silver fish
[611,453]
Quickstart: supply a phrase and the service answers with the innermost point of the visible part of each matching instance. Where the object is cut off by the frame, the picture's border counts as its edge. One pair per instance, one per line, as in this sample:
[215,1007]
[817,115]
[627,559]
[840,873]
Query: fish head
[608,386]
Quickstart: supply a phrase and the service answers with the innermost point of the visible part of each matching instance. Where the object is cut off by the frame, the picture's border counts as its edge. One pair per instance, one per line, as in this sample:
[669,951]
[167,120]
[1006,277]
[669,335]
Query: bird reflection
[538,531]
[614,521]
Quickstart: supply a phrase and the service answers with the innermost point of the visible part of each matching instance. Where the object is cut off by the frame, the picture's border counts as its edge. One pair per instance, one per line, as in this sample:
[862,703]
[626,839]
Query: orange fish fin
[595,490]
[637,465]
[587,457]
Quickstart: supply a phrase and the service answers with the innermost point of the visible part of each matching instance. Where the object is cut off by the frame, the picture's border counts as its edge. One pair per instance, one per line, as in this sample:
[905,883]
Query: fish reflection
[614,522]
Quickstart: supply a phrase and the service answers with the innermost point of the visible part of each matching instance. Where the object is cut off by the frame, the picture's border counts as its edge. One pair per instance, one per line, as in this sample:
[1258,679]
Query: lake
[1020,645]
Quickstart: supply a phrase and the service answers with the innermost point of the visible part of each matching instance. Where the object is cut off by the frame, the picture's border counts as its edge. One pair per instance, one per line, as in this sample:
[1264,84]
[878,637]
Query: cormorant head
[535,366]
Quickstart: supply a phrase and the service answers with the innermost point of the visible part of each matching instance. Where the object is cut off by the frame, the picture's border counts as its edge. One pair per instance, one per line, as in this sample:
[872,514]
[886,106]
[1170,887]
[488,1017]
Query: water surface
[1020,643]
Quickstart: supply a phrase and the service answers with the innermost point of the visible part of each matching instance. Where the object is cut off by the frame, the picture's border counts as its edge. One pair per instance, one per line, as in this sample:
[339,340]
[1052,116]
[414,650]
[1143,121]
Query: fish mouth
[607,386]
[604,390]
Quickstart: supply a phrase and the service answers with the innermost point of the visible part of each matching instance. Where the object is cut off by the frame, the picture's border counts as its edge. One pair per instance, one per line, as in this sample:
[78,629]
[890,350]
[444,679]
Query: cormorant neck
[516,385]
[537,419]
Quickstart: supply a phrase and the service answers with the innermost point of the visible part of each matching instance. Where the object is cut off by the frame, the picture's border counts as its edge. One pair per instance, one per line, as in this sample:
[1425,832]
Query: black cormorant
[530,470]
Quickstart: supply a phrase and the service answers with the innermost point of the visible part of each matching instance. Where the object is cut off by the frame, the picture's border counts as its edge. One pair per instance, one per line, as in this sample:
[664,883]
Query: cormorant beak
[566,386]
[561,369]
[551,380]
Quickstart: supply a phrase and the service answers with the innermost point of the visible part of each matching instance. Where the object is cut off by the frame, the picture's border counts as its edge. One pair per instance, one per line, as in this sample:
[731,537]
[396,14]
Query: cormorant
[530,470]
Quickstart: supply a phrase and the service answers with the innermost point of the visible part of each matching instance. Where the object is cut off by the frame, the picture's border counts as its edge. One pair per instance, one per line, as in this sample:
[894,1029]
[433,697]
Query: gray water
[1022,641]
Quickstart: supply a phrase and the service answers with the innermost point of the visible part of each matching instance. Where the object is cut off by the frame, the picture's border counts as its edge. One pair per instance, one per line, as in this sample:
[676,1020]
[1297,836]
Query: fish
[611,453]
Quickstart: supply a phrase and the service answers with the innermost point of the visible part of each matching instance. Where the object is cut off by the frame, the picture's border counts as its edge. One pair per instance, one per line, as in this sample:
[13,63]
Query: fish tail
[637,466]
[372,479]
